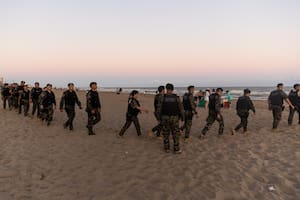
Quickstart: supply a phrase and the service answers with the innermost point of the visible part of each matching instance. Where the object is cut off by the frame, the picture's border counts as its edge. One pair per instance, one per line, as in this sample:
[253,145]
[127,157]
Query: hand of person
[93,111]
[219,116]
[80,107]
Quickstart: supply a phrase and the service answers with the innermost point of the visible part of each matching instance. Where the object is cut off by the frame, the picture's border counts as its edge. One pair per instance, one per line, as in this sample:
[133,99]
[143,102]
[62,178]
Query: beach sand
[40,163]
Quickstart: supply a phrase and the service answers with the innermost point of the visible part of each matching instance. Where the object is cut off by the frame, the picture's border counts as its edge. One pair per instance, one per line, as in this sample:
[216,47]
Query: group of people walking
[169,108]
[43,102]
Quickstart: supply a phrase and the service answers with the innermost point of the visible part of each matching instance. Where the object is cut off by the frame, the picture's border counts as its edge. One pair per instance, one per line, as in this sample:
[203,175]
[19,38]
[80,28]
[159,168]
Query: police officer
[214,113]
[5,94]
[276,99]
[170,110]
[24,100]
[133,109]
[47,101]
[243,105]
[294,97]
[189,106]
[68,100]
[93,107]
[35,94]
[157,100]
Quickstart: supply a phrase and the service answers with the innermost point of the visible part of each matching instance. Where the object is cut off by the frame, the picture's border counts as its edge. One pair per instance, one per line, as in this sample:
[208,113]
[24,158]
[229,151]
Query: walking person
[294,97]
[36,91]
[93,107]
[47,104]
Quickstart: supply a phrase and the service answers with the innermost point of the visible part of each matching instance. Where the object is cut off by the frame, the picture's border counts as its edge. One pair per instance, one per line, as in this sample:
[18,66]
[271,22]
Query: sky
[148,43]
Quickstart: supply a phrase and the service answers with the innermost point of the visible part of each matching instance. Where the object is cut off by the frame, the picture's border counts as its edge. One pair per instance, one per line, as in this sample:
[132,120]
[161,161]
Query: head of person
[161,89]
[71,86]
[22,83]
[36,84]
[49,87]
[26,87]
[134,94]
[280,86]
[93,85]
[5,85]
[247,92]
[219,91]
[227,91]
[191,89]
[297,86]
[170,88]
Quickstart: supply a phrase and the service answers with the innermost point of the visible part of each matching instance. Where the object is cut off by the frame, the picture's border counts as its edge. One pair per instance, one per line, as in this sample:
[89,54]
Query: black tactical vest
[170,105]
[186,102]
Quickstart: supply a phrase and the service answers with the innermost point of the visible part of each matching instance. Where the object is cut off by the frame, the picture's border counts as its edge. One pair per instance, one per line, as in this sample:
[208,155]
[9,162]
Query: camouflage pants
[277,113]
[35,106]
[5,101]
[212,117]
[170,125]
[292,113]
[243,114]
[129,120]
[25,105]
[188,122]
[47,113]
[93,118]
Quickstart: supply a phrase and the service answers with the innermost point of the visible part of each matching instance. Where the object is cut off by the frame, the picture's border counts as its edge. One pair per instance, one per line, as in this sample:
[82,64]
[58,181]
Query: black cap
[93,83]
[247,91]
[170,86]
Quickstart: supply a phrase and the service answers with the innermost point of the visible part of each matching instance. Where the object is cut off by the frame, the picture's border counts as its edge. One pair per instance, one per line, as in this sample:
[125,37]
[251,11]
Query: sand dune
[40,162]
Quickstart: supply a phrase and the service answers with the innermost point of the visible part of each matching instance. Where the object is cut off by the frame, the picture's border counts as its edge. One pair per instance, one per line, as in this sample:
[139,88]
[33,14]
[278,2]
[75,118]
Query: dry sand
[40,163]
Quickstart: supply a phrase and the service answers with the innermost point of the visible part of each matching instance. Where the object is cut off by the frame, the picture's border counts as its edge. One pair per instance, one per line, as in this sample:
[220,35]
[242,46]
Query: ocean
[257,93]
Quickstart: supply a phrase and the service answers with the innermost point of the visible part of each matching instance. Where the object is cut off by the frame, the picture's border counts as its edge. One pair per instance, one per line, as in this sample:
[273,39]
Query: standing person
[294,97]
[47,101]
[20,90]
[35,94]
[133,109]
[93,107]
[243,105]
[170,110]
[275,100]
[68,100]
[24,100]
[189,106]
[157,100]
[5,95]
[214,113]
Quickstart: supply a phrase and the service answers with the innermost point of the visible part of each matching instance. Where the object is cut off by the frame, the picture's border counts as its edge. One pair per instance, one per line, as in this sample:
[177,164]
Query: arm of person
[77,101]
[290,103]
[62,102]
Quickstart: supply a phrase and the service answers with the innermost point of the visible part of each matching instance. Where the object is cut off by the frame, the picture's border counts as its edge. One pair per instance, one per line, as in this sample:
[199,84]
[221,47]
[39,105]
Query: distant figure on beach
[214,113]
[24,100]
[93,107]
[170,111]
[47,104]
[68,101]
[275,101]
[243,105]
[133,109]
[5,94]
[36,91]
[189,106]
[157,100]
[229,99]
[294,97]
[119,91]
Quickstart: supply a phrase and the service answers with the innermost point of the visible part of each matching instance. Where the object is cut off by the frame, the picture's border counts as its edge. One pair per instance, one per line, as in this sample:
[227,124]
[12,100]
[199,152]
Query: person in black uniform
[20,90]
[189,106]
[24,100]
[214,113]
[93,107]
[275,100]
[158,97]
[14,95]
[243,105]
[35,94]
[5,95]
[68,100]
[133,109]
[170,111]
[294,97]
[47,101]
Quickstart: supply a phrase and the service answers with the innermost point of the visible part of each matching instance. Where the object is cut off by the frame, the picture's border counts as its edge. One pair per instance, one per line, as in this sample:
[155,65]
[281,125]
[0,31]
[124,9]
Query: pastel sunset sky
[146,43]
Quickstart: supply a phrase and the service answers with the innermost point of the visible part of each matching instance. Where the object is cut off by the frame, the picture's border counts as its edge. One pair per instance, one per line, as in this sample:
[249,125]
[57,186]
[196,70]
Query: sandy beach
[48,163]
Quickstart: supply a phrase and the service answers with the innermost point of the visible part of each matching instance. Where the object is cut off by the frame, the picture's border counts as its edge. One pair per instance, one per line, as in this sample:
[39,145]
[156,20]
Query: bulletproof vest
[276,98]
[294,98]
[212,101]
[70,98]
[25,95]
[35,92]
[243,103]
[5,92]
[186,102]
[170,105]
[49,99]
[133,111]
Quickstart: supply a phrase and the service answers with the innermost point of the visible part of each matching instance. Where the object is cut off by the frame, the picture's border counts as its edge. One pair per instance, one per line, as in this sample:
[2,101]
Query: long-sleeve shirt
[244,103]
[215,103]
[93,100]
[69,99]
